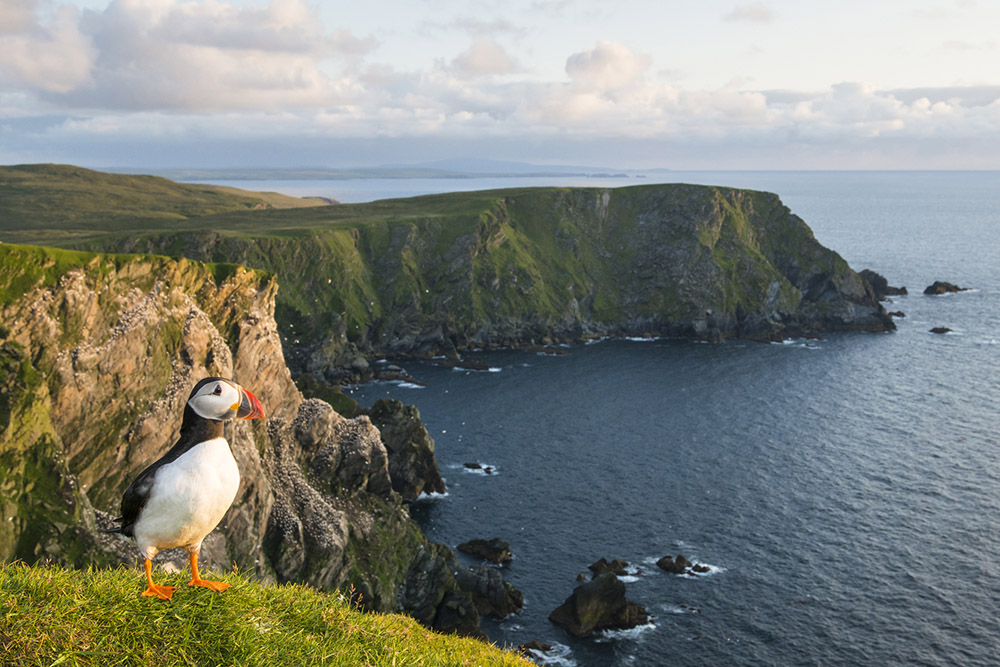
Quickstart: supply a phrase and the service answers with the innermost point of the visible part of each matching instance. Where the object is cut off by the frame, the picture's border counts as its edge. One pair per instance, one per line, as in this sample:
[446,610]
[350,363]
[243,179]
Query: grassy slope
[50,616]
[75,200]
[374,272]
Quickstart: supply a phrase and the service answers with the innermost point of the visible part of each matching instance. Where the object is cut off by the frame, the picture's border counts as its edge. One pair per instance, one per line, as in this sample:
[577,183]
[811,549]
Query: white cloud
[608,65]
[756,12]
[52,58]
[169,54]
[16,15]
[485,57]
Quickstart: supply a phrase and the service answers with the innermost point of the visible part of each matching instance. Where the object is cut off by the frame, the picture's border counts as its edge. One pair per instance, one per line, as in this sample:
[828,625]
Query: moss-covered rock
[437,274]
[99,355]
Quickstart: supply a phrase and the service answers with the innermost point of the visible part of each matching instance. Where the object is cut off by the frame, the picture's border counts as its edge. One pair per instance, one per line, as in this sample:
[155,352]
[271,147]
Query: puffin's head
[220,399]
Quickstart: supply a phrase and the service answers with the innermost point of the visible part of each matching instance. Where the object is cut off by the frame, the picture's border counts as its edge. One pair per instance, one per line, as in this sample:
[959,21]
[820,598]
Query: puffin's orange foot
[162,592]
[217,586]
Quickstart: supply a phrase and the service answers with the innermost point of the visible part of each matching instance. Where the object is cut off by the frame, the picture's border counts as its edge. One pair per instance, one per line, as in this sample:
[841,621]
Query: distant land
[451,168]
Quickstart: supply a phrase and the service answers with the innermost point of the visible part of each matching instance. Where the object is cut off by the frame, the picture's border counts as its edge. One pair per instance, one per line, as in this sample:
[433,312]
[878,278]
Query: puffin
[182,496]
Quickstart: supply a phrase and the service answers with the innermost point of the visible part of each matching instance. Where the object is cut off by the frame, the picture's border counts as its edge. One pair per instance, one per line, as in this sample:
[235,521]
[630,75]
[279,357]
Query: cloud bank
[173,70]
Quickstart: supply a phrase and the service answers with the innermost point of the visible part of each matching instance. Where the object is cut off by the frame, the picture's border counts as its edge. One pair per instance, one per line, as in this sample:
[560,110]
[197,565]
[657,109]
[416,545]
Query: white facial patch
[216,400]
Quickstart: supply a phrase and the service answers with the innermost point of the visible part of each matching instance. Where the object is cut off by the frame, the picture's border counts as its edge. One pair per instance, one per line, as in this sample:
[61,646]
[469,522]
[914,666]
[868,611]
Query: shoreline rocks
[599,604]
[494,550]
[941,287]
[880,285]
[615,567]
[680,565]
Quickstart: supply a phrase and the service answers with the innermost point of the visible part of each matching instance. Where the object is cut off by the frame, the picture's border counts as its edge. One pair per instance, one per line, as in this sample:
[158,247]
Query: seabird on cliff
[181,498]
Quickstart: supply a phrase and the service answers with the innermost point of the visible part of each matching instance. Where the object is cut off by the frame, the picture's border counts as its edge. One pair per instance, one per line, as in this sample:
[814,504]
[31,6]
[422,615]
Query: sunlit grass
[54,616]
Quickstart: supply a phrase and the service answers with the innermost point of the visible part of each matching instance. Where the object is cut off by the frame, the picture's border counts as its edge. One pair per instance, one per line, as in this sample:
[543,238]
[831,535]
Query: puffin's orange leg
[152,590]
[196,580]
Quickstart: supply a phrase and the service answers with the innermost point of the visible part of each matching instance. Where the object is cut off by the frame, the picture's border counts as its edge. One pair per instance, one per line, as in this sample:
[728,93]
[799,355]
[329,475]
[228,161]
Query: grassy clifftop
[74,200]
[442,273]
[50,616]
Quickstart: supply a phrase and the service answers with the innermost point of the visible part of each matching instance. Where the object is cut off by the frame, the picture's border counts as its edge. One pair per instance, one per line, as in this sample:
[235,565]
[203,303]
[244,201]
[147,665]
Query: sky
[714,84]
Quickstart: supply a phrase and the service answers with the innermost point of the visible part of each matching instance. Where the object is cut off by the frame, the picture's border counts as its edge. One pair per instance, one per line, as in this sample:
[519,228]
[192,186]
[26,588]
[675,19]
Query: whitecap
[642,339]
[559,655]
[484,469]
[433,495]
[628,578]
[680,609]
[632,634]
[403,384]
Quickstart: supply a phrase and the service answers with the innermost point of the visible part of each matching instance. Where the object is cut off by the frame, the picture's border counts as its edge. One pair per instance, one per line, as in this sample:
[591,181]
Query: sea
[843,492]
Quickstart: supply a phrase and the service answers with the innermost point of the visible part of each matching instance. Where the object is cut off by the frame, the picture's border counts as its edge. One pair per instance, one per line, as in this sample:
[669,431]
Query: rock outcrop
[880,285]
[603,566]
[413,468]
[941,287]
[680,565]
[494,550]
[439,274]
[97,356]
[599,604]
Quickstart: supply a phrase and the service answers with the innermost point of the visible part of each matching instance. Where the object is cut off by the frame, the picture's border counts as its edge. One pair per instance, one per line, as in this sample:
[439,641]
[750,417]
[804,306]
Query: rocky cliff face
[98,354]
[439,274]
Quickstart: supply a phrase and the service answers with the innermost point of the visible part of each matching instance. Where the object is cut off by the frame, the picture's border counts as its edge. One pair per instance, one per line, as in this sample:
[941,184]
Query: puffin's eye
[218,389]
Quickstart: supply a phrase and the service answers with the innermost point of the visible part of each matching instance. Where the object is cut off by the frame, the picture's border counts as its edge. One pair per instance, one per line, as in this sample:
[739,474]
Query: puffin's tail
[116,529]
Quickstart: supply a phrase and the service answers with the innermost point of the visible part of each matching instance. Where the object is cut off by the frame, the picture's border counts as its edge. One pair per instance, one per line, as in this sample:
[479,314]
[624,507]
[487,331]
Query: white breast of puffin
[189,497]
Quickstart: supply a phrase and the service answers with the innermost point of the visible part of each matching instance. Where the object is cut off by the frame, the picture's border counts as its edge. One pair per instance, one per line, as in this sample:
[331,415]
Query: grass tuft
[54,616]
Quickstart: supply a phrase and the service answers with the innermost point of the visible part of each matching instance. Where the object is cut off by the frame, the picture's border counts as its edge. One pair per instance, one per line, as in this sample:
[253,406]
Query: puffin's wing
[135,497]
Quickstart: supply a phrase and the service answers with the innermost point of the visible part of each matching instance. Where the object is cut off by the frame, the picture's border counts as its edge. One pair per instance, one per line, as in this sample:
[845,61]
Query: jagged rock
[491,594]
[98,356]
[676,252]
[599,604]
[615,567]
[940,287]
[679,565]
[880,285]
[413,469]
[534,645]
[431,594]
[494,550]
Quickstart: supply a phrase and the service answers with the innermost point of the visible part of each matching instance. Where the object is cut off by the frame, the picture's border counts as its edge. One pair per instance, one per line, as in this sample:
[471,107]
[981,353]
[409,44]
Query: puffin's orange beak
[250,407]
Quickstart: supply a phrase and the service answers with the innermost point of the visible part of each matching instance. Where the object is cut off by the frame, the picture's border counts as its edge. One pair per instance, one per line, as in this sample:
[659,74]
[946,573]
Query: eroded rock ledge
[97,356]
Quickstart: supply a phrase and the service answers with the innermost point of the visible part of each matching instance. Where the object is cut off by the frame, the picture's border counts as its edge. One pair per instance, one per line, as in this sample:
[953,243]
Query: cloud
[608,65]
[170,54]
[52,58]
[756,12]
[16,15]
[485,57]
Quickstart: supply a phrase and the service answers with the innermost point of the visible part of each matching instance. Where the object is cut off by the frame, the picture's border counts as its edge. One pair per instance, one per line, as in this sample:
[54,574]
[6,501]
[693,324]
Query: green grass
[54,616]
[74,200]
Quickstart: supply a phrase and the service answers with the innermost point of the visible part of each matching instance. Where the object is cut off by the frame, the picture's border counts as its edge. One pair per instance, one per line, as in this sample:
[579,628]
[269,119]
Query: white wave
[403,384]
[632,634]
[464,369]
[680,609]
[991,341]
[642,339]
[433,495]
[712,570]
[485,469]
[628,578]
[595,341]
[559,655]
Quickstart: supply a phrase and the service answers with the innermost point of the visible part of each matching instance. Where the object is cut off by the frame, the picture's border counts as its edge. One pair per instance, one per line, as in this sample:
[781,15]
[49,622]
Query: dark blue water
[846,491]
